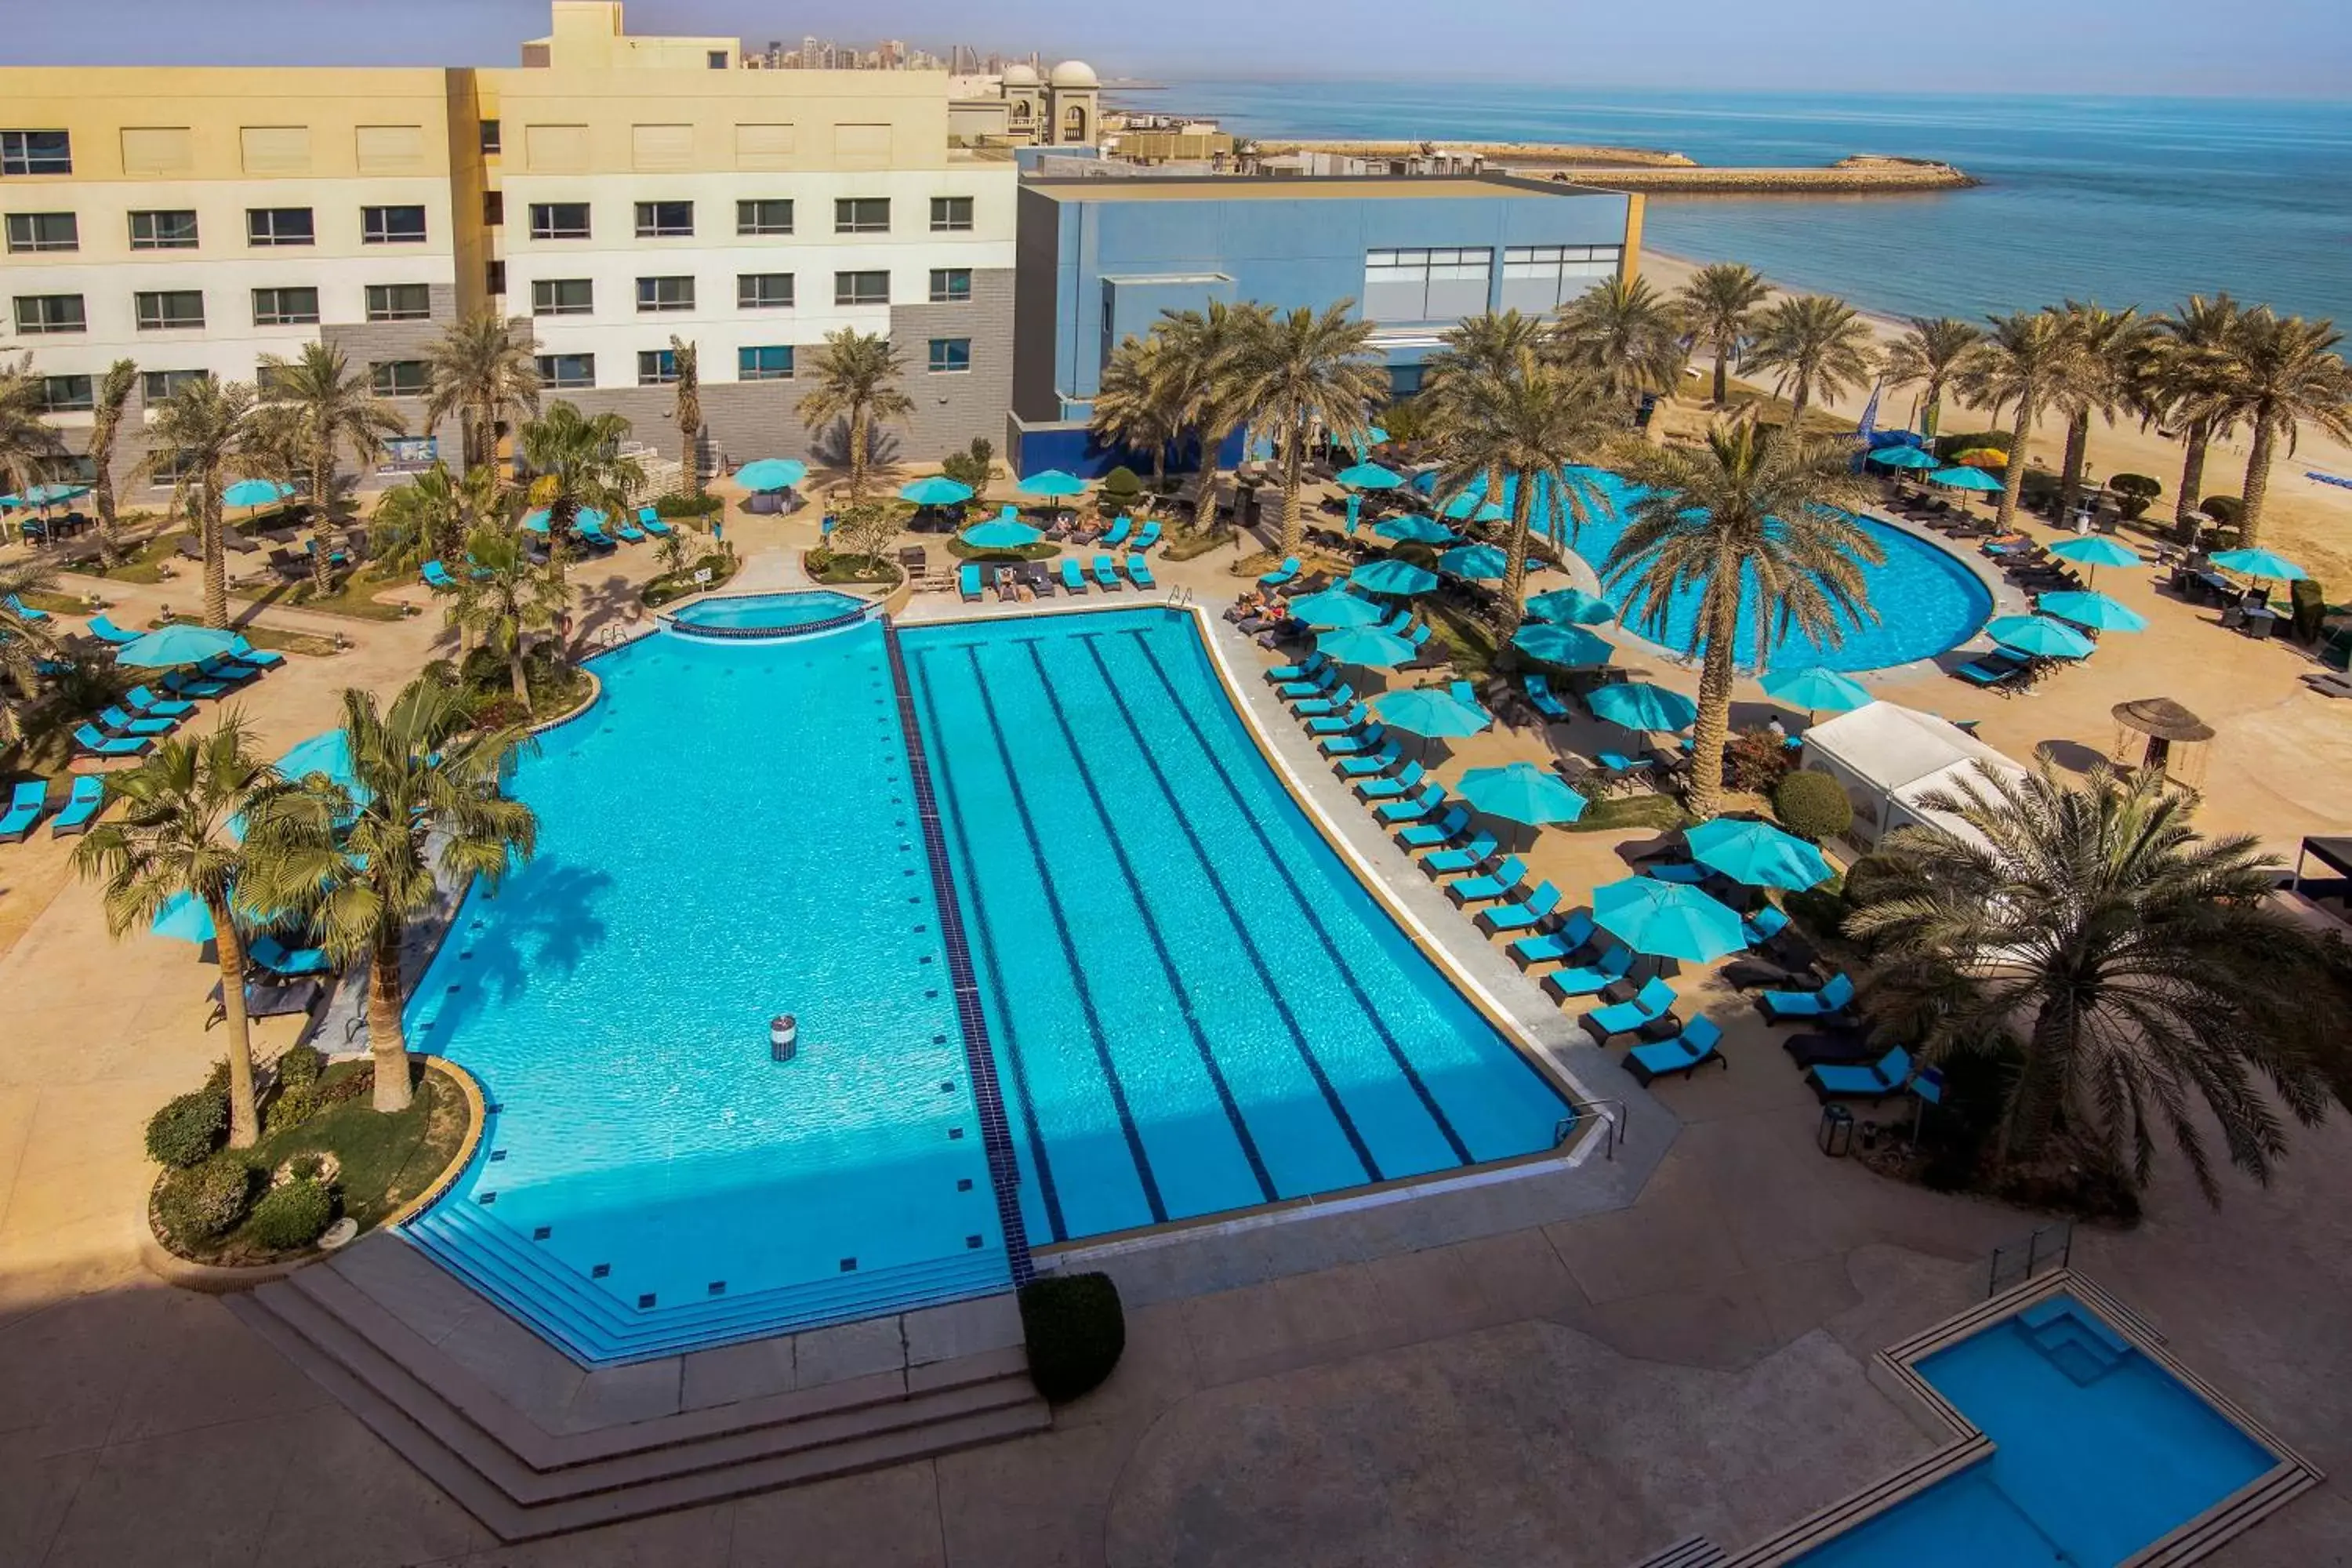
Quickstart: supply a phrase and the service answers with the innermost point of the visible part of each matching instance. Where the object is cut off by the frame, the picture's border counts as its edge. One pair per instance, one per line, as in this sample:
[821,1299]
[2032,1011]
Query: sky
[2236,48]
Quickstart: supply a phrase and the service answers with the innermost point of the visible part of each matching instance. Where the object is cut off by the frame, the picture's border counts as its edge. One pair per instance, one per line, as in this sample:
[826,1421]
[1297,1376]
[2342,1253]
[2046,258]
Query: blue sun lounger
[1880,1079]
[1573,936]
[1367,739]
[1653,1001]
[592,532]
[1698,1044]
[1355,716]
[89,795]
[1369,764]
[1538,690]
[142,700]
[651,522]
[1421,806]
[26,611]
[1996,668]
[1118,531]
[628,532]
[1463,861]
[88,739]
[1500,883]
[1340,699]
[1764,925]
[1524,915]
[25,809]
[968,583]
[1391,788]
[279,959]
[1312,666]
[1582,980]
[1074,581]
[1312,685]
[182,683]
[437,577]
[1435,834]
[1147,536]
[1107,576]
[260,658]
[1682,872]
[1830,1002]
[106,631]
[1139,571]
[1281,576]
[114,720]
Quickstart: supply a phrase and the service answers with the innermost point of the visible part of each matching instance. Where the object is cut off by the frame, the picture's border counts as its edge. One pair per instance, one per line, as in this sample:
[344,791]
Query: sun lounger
[1653,1001]
[1524,915]
[1074,581]
[115,721]
[1995,670]
[265,1000]
[1353,717]
[1538,690]
[594,534]
[279,959]
[1283,575]
[651,522]
[260,658]
[1764,925]
[1589,979]
[89,740]
[226,668]
[1619,763]
[106,631]
[1500,883]
[1314,684]
[1116,533]
[1681,871]
[1842,1047]
[437,577]
[1373,789]
[1367,739]
[1337,699]
[182,683]
[1391,813]
[142,700]
[1145,537]
[1370,764]
[89,794]
[1463,861]
[1574,935]
[1105,575]
[1435,834]
[1873,1080]
[1830,1002]
[1307,668]
[26,611]
[1139,571]
[25,808]
[968,586]
[1685,1053]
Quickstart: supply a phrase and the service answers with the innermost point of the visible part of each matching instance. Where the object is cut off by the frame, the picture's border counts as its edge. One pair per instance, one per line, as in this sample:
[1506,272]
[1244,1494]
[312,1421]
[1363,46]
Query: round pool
[768,614]
[1927,599]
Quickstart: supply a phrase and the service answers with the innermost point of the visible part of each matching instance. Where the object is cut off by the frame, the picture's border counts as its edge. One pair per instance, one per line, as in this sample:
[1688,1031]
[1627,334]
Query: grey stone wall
[1036,257]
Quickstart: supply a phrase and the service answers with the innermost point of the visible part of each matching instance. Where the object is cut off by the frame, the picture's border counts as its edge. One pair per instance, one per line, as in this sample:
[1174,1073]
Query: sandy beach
[2306,521]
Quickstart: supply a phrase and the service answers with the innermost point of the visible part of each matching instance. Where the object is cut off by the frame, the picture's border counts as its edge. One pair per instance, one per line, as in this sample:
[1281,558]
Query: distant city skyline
[2257,48]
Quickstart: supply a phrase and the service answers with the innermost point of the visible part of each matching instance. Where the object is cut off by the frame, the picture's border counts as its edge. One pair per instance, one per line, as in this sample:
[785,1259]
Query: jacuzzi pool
[769,615]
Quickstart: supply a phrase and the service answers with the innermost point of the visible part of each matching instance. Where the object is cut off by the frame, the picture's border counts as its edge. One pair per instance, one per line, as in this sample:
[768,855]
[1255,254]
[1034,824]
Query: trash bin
[1836,1134]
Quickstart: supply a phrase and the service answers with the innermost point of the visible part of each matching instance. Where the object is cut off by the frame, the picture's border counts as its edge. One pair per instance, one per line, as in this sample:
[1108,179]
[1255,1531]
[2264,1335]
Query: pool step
[1692,1552]
[529,1473]
[2075,1343]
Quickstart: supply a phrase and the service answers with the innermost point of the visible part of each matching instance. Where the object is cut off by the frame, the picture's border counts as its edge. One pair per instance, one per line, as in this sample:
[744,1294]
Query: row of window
[772,362]
[77,394]
[753,292]
[175,228]
[675,220]
[180,310]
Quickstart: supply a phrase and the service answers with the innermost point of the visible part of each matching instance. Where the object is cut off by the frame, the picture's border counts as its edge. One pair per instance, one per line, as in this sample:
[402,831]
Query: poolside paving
[1579,1388]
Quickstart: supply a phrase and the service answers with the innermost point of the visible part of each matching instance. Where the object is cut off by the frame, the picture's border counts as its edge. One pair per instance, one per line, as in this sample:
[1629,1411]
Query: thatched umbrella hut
[2158,733]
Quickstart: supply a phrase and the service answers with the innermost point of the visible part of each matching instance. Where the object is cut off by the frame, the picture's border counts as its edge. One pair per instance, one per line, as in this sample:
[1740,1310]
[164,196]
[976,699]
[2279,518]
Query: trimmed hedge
[188,1128]
[204,1202]
[1813,806]
[1076,1331]
[675,504]
[2223,510]
[292,1216]
[301,1065]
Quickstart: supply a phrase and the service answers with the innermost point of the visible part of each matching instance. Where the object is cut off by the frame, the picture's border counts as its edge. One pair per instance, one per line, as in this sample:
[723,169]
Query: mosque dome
[1075,74]
[1020,76]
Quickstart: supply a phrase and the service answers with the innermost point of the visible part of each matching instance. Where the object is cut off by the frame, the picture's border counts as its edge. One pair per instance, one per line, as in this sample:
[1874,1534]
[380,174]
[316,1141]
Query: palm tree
[2022,365]
[201,434]
[362,862]
[1141,405]
[2111,348]
[2278,374]
[1816,346]
[2183,372]
[1753,512]
[25,639]
[1928,354]
[318,406]
[577,464]
[178,833]
[112,395]
[1475,351]
[1299,372]
[2137,970]
[504,596]
[28,446]
[686,413]
[438,508]
[1202,348]
[1627,333]
[1718,310]
[857,381]
[483,369]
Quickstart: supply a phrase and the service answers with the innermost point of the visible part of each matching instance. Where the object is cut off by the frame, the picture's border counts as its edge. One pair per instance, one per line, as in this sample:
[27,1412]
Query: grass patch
[353,596]
[272,638]
[827,567]
[1471,640]
[143,563]
[1619,812]
[672,585]
[55,603]
[1192,546]
[1044,550]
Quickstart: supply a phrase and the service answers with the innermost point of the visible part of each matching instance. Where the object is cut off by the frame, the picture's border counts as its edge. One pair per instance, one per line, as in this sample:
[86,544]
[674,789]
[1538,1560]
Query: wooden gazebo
[2160,733]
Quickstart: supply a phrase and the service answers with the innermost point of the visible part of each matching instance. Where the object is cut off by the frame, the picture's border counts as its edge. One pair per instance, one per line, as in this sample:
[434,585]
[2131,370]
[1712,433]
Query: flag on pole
[1869,426]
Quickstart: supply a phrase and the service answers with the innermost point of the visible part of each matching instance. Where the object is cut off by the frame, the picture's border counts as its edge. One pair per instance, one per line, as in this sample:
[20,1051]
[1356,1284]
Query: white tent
[1886,758]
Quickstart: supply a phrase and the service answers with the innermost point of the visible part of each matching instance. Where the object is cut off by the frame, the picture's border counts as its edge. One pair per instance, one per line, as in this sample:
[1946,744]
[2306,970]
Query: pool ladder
[1614,1115]
[1180,596]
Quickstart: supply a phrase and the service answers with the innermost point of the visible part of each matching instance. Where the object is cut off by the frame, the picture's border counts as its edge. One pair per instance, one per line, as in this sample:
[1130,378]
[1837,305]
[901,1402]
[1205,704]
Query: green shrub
[1075,1330]
[187,1130]
[293,1105]
[1952,446]
[301,1065]
[1120,490]
[676,504]
[1757,760]
[975,466]
[2223,510]
[2135,493]
[1813,806]
[204,1201]
[292,1216]
[308,1166]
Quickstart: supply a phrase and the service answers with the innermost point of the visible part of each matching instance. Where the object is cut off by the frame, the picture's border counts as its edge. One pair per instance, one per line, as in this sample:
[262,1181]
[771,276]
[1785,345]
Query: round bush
[204,1201]
[292,1216]
[1076,1331]
[293,1106]
[2223,510]
[1813,806]
[301,1065]
[187,1130]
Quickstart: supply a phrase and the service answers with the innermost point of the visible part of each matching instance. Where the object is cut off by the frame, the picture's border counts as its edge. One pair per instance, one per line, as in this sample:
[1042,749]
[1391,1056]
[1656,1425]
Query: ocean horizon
[2127,201]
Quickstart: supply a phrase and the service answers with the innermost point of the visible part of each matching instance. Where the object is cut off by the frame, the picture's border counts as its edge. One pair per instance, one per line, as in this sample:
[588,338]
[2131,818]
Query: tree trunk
[1714,722]
[1294,522]
[1931,412]
[2069,477]
[209,534]
[1204,505]
[858,454]
[2196,439]
[1798,403]
[2013,476]
[2258,483]
[514,671]
[386,1043]
[109,540]
[2034,1100]
[323,528]
[1515,562]
[689,466]
[244,1112]
[1722,371]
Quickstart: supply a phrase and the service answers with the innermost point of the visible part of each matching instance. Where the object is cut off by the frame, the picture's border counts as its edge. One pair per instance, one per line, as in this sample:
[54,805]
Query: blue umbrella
[1571,645]
[1355,511]
[1336,607]
[175,645]
[255,492]
[1478,562]
[1572,607]
[2256,562]
[1756,854]
[1413,529]
[2097,611]
[1375,436]
[935,490]
[1965,479]
[1428,711]
[1903,457]
[46,495]
[1370,476]
[1816,689]
[1522,792]
[1475,507]
[184,918]
[771,473]
[1053,482]
[998,533]
[1399,577]
[2095,550]
[1639,705]
[1667,919]
[1365,646]
[536,521]
[2039,634]
[329,752]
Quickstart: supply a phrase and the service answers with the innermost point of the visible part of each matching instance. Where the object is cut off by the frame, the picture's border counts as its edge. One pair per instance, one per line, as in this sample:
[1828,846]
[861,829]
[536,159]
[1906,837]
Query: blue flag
[1869,426]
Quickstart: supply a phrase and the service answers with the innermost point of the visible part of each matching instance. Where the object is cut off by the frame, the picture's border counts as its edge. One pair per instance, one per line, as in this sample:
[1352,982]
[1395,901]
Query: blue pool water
[771,612]
[1195,1004]
[2098,1452]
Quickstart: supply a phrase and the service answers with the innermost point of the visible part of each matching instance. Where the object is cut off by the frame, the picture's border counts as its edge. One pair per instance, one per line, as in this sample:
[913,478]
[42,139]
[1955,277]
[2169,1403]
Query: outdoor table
[2217,587]
[2261,620]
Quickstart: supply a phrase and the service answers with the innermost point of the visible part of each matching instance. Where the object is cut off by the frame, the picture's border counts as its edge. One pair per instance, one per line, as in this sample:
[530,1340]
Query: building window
[157,385]
[174,230]
[861,287]
[951,285]
[43,231]
[169,311]
[559,220]
[715,59]
[283,308]
[489,136]
[399,302]
[862,215]
[665,220]
[563,297]
[656,367]
[763,217]
[50,313]
[399,378]
[392,225]
[1538,278]
[70,395]
[950,215]
[494,277]
[273,382]
[665,294]
[35,152]
[562,371]
[771,363]
[494,207]
[1437,285]
[278,225]
[763,291]
[950,355]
